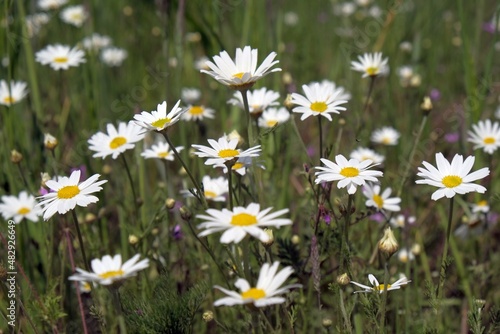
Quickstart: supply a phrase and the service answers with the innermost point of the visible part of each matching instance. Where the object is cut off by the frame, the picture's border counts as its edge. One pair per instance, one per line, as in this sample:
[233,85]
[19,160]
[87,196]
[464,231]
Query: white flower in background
[242,73]
[197,113]
[266,292]
[158,120]
[201,63]
[404,255]
[18,207]
[116,141]
[60,57]
[222,151]
[110,270]
[241,221]
[12,93]
[51,4]
[386,136]
[452,178]
[405,74]
[381,201]
[363,3]
[74,15]
[35,22]
[363,153]
[190,95]
[113,57]
[291,19]
[67,192]
[273,117]
[402,221]
[375,12]
[161,150]
[377,287]
[485,135]
[258,100]
[340,91]
[481,207]
[318,100]
[345,9]
[371,65]
[350,174]
[96,42]
[406,46]
[214,189]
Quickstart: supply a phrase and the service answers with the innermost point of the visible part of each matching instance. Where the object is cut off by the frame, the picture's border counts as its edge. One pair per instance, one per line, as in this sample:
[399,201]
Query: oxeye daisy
[12,93]
[452,178]
[158,120]
[404,255]
[377,287]
[116,141]
[223,151]
[190,95]
[110,270]
[19,207]
[214,189]
[241,165]
[74,15]
[363,153]
[240,221]
[273,117]
[481,207]
[265,292]
[51,4]
[402,221]
[113,57]
[385,136]
[96,42]
[380,201]
[318,100]
[258,100]
[371,65]
[485,135]
[197,113]
[342,94]
[68,192]
[350,174]
[60,57]
[162,151]
[242,73]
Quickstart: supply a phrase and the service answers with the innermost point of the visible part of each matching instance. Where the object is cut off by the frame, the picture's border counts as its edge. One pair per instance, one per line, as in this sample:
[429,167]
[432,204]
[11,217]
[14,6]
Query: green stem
[230,184]
[320,138]
[384,297]
[119,311]
[249,117]
[80,239]
[344,246]
[442,274]
[246,259]
[131,181]
[364,116]
[347,321]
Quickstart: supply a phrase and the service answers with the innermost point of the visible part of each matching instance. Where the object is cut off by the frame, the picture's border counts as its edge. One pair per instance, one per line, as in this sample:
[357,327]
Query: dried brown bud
[343,279]
[185,213]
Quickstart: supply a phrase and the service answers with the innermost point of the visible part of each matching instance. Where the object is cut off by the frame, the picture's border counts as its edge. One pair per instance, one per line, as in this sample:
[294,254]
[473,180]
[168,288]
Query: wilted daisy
[12,93]
[380,287]
[116,141]
[197,113]
[190,95]
[161,150]
[319,100]
[158,120]
[74,15]
[485,135]
[452,178]
[265,292]
[272,117]
[68,192]
[113,57]
[258,100]
[35,22]
[223,151]
[110,270]
[380,201]
[241,221]
[18,207]
[386,136]
[363,153]
[60,57]
[96,42]
[214,189]
[241,73]
[481,207]
[371,65]
[402,221]
[51,4]
[350,174]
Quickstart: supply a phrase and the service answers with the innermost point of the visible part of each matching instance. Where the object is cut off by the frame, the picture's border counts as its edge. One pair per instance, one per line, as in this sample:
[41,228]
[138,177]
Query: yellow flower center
[8,100]
[482,203]
[24,210]
[112,274]
[163,154]
[318,106]
[253,293]
[76,16]
[372,71]
[68,192]
[271,123]
[386,140]
[451,181]
[243,219]
[489,140]
[196,110]
[210,194]
[117,142]
[381,287]
[349,172]
[160,123]
[61,60]
[228,153]
[237,165]
[238,75]
[379,201]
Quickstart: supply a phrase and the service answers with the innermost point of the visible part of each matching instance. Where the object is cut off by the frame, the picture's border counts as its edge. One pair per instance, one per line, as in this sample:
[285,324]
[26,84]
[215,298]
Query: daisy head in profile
[258,100]
[158,120]
[214,189]
[224,151]
[12,92]
[23,206]
[116,141]
[197,113]
[363,153]
[380,201]
[371,65]
[242,72]
[161,150]
[385,136]
[377,287]
[486,136]
[60,57]
[74,15]
[273,117]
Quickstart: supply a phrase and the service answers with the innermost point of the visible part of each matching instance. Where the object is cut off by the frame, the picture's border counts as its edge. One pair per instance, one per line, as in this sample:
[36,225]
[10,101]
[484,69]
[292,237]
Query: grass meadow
[442,79]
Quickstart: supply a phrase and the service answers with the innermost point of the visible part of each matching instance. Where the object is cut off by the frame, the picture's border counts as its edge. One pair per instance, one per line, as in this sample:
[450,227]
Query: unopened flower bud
[132,239]
[235,135]
[45,177]
[426,106]
[295,239]
[287,78]
[343,279]
[270,241]
[170,203]
[15,156]
[208,316]
[327,322]
[288,103]
[89,217]
[107,169]
[388,244]
[415,249]
[155,231]
[50,142]
[185,213]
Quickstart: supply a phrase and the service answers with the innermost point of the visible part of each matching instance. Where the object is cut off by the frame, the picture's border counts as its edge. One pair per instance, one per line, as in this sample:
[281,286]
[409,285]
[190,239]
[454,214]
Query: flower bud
[295,239]
[343,279]
[270,241]
[45,177]
[15,156]
[426,106]
[132,239]
[50,142]
[388,244]
[327,322]
[170,203]
[185,213]
[288,103]
[208,316]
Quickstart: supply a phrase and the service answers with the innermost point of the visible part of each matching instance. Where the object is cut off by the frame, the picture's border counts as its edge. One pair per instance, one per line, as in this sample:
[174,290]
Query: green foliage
[48,310]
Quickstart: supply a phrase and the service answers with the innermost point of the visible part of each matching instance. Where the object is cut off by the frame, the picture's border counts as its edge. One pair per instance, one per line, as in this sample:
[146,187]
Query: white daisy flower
[96,42]
[381,201]
[74,15]
[363,153]
[115,141]
[190,95]
[201,64]
[242,165]
[158,120]
[371,65]
[401,221]
[197,113]
[51,4]
[258,100]
[485,135]
[223,151]
[386,136]
[12,93]
[241,73]
[161,150]
[113,57]
[452,178]
[67,192]
[481,207]
[241,221]
[330,85]
[110,270]
[35,22]
[319,100]
[60,57]
[18,207]
[214,189]
[350,173]
[272,117]
[380,287]
[405,255]
[264,293]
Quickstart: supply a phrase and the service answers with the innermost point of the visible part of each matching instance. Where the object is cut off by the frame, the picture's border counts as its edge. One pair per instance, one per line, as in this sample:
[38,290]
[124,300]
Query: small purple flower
[378,217]
[82,169]
[43,191]
[452,137]
[435,94]
[177,232]
[489,27]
